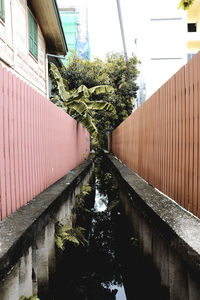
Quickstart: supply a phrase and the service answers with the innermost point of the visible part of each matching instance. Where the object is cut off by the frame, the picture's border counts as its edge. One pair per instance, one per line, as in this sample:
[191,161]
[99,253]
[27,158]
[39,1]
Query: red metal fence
[160,140]
[39,143]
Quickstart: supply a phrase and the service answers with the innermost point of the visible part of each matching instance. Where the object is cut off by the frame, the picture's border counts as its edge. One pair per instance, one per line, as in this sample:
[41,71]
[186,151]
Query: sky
[143,39]
[103,24]
[104,27]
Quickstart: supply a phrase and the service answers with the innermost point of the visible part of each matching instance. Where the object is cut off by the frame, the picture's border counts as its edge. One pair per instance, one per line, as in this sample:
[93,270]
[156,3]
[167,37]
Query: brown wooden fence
[39,143]
[160,140]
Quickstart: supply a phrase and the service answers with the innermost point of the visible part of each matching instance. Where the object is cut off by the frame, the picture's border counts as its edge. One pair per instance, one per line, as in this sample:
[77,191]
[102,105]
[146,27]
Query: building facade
[29,31]
[161,46]
[168,39]
[74,18]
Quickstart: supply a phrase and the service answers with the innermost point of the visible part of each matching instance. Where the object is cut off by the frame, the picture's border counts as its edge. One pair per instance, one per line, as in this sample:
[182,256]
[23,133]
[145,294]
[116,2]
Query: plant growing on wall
[29,298]
[68,233]
[71,233]
[77,103]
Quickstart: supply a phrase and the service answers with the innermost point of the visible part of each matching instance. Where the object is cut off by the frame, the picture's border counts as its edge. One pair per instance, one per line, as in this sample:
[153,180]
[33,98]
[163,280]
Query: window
[192,27]
[33,34]
[2,11]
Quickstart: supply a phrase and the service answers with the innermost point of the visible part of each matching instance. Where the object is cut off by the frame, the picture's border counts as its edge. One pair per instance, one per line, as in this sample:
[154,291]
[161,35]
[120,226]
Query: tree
[113,71]
[185,4]
[77,102]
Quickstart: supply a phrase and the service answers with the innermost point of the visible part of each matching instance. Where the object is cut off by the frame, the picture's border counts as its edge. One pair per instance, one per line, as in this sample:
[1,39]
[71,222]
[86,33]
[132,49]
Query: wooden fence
[39,143]
[160,140]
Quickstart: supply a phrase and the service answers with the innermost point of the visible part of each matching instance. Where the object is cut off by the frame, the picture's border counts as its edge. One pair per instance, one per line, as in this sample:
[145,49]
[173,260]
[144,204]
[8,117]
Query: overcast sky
[104,28]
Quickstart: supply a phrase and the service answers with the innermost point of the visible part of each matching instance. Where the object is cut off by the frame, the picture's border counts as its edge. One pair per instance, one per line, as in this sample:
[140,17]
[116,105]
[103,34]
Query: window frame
[32,34]
[2,10]
[192,27]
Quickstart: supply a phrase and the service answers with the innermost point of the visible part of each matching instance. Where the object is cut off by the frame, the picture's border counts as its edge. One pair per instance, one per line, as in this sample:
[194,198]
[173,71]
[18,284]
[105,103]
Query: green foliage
[134,242]
[73,234]
[78,103]
[79,207]
[113,204]
[85,190]
[113,72]
[30,298]
[68,233]
[185,4]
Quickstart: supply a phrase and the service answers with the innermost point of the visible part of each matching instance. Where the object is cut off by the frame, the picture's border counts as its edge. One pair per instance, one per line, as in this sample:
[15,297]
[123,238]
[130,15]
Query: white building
[160,44]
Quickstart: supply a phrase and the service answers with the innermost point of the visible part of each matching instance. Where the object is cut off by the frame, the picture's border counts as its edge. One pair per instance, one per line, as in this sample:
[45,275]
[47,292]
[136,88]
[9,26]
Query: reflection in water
[93,272]
[113,253]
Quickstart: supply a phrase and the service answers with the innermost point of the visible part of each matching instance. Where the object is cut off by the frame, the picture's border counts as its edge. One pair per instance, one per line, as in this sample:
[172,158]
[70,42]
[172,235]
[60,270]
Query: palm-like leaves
[77,103]
[68,233]
[30,298]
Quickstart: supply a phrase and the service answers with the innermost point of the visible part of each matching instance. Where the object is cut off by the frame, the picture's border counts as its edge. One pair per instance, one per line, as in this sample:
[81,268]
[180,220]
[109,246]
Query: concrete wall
[27,252]
[168,239]
[14,46]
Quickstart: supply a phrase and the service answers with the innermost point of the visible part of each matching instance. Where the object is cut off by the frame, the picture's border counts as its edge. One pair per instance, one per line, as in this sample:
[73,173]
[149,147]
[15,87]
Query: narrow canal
[92,269]
[107,257]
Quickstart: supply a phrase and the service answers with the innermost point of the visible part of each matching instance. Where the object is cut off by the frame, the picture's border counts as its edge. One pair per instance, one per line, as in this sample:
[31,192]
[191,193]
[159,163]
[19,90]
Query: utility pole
[124,44]
[122,30]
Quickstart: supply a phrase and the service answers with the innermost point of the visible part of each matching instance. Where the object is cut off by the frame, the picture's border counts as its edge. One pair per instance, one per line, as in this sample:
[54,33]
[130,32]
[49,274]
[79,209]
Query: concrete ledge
[177,226]
[19,230]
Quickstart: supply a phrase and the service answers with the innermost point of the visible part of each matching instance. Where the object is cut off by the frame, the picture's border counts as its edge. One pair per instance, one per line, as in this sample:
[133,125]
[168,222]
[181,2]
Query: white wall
[163,45]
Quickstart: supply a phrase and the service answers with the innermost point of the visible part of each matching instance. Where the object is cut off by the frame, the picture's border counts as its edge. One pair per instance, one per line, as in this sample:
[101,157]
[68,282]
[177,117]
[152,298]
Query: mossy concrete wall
[27,245]
[168,237]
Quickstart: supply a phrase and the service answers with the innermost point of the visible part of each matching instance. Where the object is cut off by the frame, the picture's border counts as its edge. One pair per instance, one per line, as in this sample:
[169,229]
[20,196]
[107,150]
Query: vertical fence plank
[183,125]
[198,95]
[6,141]
[195,145]
[168,139]
[170,187]
[191,143]
[2,148]
[180,138]
[176,122]
[19,142]
[10,142]
[16,148]
[23,144]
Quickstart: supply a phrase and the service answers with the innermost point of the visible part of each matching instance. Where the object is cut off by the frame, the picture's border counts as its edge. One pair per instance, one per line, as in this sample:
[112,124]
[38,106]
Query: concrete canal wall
[27,247]
[168,238]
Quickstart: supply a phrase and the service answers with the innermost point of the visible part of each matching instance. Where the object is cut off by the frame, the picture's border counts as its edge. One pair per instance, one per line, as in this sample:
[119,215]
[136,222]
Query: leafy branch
[185,4]
[72,234]
[29,298]
[77,102]
[68,233]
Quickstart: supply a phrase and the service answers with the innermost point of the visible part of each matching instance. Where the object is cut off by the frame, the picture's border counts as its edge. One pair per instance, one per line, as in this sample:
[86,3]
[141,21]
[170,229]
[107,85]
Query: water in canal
[93,271]
[111,259]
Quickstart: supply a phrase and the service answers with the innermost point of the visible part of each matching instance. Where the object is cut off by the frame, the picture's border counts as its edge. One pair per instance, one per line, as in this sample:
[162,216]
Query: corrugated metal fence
[160,140]
[39,143]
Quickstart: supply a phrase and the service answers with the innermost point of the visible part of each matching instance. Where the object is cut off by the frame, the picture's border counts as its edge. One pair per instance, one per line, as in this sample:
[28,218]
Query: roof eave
[47,14]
